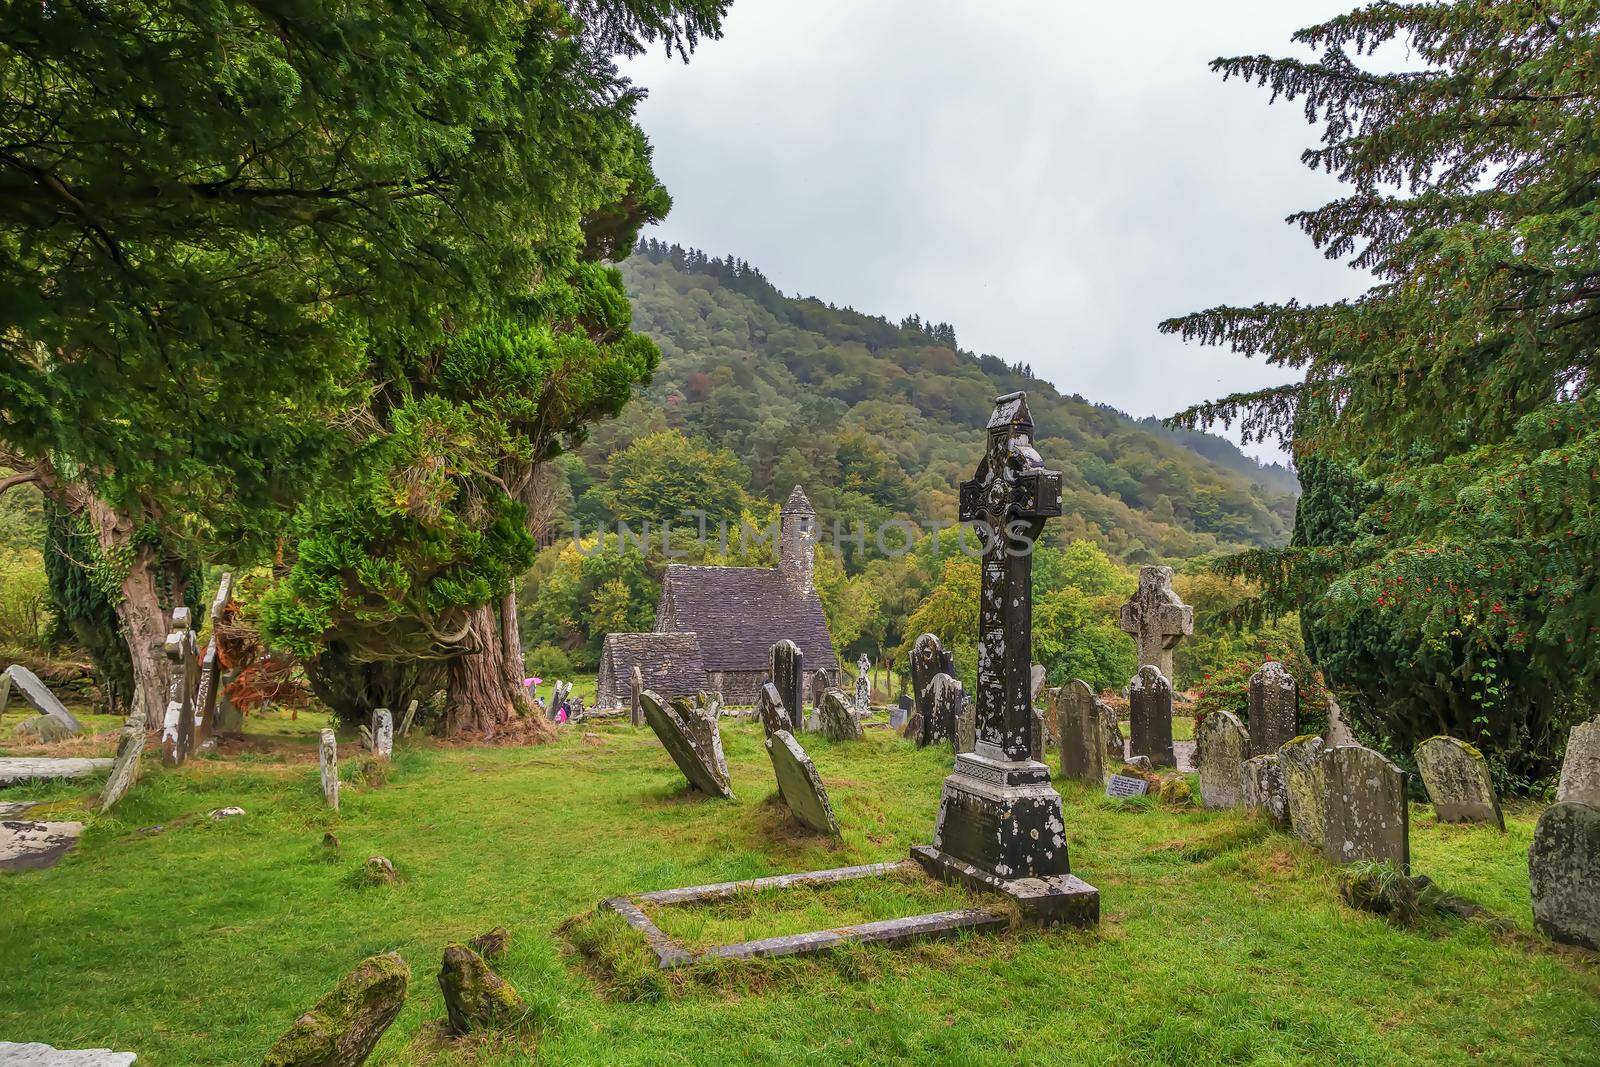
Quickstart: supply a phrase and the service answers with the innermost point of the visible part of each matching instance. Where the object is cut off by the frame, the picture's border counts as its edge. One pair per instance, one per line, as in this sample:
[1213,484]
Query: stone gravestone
[637,716]
[928,658]
[692,741]
[948,699]
[769,708]
[38,694]
[1580,768]
[863,686]
[1274,708]
[1221,748]
[899,714]
[1126,785]
[383,734]
[786,671]
[1305,787]
[1262,789]
[836,721]
[1564,873]
[177,724]
[1000,824]
[1458,782]
[1150,716]
[1082,733]
[125,769]
[5,690]
[1156,619]
[819,685]
[799,784]
[328,753]
[1367,816]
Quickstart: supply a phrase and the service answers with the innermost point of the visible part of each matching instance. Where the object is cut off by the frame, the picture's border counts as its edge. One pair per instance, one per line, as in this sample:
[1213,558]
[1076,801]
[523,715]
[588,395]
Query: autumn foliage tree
[1448,421]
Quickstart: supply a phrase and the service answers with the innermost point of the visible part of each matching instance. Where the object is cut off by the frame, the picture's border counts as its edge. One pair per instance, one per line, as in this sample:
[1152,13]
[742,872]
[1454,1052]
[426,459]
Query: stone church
[734,615]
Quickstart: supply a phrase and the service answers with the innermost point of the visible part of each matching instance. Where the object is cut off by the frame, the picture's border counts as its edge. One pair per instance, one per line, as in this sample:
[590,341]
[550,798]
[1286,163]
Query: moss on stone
[343,1027]
[475,997]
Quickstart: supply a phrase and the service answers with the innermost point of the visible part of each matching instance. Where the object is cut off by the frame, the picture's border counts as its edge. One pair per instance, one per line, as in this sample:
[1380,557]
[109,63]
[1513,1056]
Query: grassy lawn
[200,942]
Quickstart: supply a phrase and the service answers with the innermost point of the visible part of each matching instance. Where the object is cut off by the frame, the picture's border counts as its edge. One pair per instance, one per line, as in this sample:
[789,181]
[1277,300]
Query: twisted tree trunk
[484,684]
[140,611]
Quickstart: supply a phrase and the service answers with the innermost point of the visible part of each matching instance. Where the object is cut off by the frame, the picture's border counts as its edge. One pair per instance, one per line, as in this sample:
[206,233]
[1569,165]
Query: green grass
[1220,941]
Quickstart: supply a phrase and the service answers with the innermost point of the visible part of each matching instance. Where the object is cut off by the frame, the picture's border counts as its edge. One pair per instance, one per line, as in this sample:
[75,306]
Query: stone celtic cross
[1008,498]
[1156,618]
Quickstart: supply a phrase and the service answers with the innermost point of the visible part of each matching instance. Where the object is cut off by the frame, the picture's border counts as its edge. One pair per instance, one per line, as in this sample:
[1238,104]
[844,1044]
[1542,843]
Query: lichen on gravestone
[1221,747]
[838,722]
[1458,782]
[1305,787]
[1564,873]
[344,1026]
[1580,768]
[475,997]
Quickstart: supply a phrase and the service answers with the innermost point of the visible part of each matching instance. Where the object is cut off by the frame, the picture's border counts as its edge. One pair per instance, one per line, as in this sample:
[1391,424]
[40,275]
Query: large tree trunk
[483,696]
[144,621]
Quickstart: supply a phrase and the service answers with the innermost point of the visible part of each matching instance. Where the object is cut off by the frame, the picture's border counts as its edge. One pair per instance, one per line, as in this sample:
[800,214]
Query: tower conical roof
[797,504]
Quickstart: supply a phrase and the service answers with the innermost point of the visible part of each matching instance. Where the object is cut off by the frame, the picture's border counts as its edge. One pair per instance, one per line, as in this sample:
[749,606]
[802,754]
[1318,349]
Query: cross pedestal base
[1000,829]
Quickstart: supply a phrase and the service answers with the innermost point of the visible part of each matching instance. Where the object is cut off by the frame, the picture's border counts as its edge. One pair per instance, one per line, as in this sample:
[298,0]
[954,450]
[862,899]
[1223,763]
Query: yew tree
[211,212]
[1448,420]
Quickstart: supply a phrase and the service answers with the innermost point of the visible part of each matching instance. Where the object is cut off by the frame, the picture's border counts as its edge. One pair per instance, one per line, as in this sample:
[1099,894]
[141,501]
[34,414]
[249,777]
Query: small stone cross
[1156,619]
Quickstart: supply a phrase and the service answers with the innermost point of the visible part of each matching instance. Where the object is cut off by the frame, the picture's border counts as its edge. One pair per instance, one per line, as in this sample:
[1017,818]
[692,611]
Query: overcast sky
[1052,178]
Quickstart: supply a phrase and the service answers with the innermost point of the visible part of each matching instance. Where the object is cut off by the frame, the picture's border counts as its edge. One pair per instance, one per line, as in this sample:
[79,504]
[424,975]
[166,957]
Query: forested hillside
[878,420]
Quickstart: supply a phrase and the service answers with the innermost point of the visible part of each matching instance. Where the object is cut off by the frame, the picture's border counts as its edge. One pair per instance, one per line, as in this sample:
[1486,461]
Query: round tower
[797,539]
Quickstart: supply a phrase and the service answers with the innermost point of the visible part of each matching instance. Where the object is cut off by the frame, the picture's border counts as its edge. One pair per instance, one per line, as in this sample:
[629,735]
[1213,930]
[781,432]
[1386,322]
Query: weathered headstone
[1580,768]
[1305,784]
[383,734]
[928,658]
[966,712]
[1274,708]
[1221,748]
[1261,786]
[1150,716]
[1082,733]
[819,685]
[1564,873]
[800,785]
[342,1028]
[693,742]
[1000,824]
[125,770]
[787,672]
[863,685]
[898,715]
[1458,782]
[5,691]
[410,716]
[1156,619]
[177,724]
[328,756]
[769,707]
[836,720]
[637,716]
[38,694]
[1037,676]
[1367,817]
[946,699]
[40,730]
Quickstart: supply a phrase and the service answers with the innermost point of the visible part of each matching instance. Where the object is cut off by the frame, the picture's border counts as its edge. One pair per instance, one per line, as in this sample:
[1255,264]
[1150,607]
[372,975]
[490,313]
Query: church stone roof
[739,613]
[670,662]
[797,504]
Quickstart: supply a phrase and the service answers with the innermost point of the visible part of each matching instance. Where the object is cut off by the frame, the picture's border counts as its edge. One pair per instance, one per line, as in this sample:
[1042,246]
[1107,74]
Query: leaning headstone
[769,707]
[1150,716]
[5,690]
[476,999]
[946,700]
[836,720]
[1037,676]
[637,716]
[343,1027]
[1221,748]
[800,785]
[863,686]
[1274,708]
[928,658]
[410,716]
[1262,789]
[1564,873]
[125,770]
[36,1054]
[1580,769]
[28,684]
[1458,782]
[1367,816]
[1156,619]
[694,743]
[383,734]
[328,754]
[1306,786]
[787,672]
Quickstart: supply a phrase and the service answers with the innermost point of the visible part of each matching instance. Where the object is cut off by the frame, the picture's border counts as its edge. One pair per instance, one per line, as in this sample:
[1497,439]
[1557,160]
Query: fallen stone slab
[15,769]
[342,1028]
[33,846]
[35,1054]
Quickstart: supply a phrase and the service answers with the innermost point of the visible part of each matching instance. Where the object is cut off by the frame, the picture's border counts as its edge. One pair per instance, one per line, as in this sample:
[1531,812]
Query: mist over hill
[881,420]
